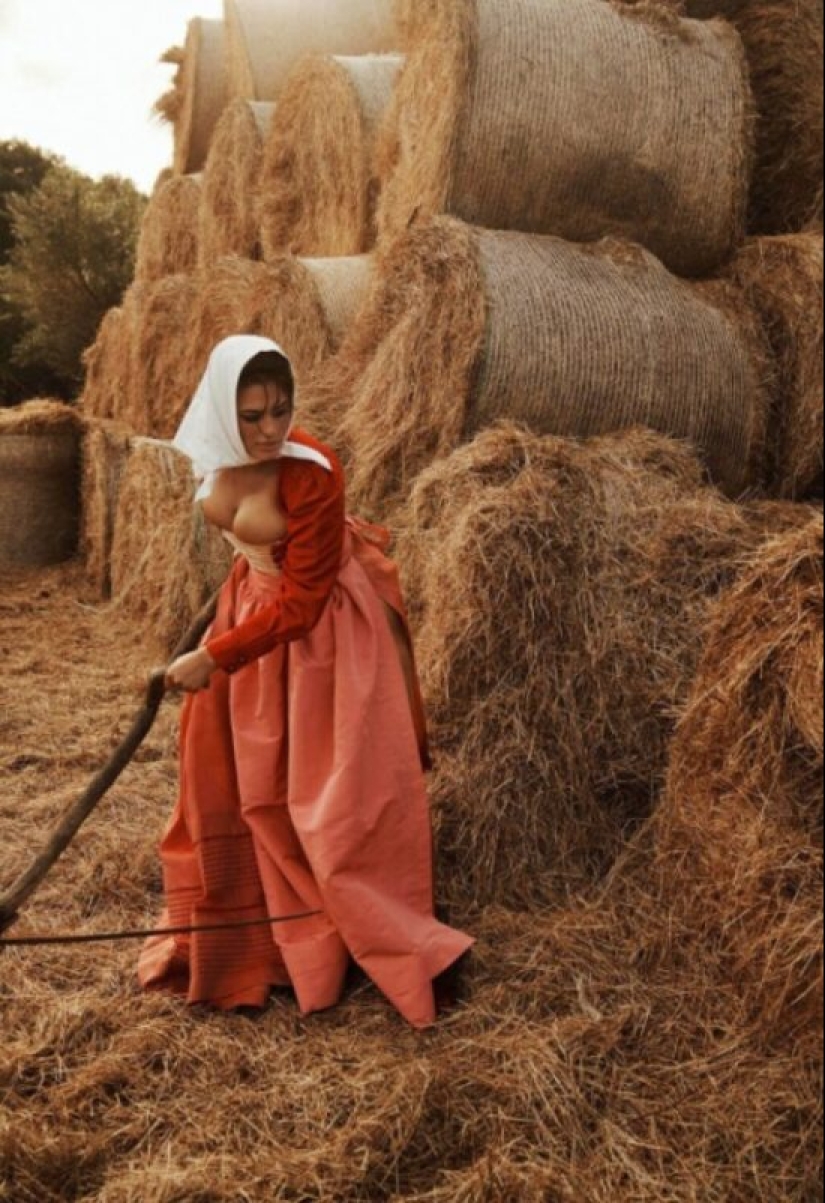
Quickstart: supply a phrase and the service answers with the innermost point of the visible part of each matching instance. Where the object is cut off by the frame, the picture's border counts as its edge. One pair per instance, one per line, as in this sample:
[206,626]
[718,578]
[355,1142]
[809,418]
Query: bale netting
[168,243]
[782,279]
[560,118]
[106,449]
[785,48]
[161,382]
[740,840]
[306,306]
[559,590]
[39,484]
[106,363]
[229,202]
[265,43]
[465,327]
[199,93]
[319,187]
[166,561]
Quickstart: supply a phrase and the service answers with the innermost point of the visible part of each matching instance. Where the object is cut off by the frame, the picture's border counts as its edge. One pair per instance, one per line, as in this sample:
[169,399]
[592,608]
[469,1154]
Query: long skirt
[302,790]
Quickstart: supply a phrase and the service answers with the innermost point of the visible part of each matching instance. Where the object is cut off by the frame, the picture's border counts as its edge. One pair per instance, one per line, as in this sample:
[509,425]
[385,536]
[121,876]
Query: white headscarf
[210,434]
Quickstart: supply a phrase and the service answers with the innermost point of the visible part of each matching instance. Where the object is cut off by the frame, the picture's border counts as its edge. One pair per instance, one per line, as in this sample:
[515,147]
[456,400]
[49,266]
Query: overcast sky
[79,77]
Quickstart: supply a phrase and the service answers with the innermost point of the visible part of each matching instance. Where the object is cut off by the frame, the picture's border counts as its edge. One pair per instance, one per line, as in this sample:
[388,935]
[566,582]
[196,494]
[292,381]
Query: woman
[303,738]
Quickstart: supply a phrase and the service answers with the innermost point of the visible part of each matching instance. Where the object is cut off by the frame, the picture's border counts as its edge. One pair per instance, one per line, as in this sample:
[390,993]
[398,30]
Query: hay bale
[160,383]
[784,44]
[741,840]
[559,118]
[168,243]
[318,186]
[559,592]
[465,327]
[39,484]
[199,93]
[166,562]
[782,278]
[265,43]
[105,362]
[106,448]
[229,214]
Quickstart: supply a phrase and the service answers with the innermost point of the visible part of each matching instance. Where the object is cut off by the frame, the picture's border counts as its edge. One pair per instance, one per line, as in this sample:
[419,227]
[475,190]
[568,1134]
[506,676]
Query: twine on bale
[464,327]
[266,43]
[229,216]
[496,89]
[199,93]
[168,243]
[39,483]
[318,186]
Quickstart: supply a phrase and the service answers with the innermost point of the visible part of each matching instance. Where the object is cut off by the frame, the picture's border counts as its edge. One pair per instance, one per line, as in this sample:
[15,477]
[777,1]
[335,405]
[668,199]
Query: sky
[79,78]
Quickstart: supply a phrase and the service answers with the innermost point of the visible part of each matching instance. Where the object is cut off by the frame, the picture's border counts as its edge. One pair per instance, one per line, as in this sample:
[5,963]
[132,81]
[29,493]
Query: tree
[72,260]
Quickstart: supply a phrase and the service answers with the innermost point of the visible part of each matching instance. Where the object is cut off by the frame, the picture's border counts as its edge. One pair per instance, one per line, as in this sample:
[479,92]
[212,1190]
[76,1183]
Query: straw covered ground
[598,1055]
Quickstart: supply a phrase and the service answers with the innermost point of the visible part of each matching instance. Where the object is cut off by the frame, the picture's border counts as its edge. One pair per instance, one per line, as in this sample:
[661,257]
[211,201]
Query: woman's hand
[191,673]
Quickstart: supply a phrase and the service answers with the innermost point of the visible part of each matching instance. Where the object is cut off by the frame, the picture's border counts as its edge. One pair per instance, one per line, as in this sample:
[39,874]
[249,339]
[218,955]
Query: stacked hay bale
[610,130]
[106,450]
[229,207]
[199,93]
[466,326]
[39,484]
[168,243]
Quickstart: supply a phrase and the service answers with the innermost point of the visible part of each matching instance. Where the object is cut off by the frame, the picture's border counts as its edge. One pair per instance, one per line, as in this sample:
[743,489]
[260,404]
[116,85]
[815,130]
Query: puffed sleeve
[315,506]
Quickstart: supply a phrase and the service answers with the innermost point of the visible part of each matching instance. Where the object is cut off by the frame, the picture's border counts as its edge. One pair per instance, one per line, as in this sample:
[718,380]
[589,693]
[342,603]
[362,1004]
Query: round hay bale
[39,484]
[265,43]
[782,278]
[104,362]
[160,352]
[581,119]
[786,49]
[106,448]
[741,839]
[559,590]
[231,182]
[465,327]
[318,185]
[166,561]
[168,243]
[203,91]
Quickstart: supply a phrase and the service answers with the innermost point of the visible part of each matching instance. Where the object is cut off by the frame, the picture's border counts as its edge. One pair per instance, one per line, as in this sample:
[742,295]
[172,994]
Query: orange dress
[302,787]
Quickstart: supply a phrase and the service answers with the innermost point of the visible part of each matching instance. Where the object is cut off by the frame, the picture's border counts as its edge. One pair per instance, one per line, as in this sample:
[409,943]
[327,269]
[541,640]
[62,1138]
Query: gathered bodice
[259,555]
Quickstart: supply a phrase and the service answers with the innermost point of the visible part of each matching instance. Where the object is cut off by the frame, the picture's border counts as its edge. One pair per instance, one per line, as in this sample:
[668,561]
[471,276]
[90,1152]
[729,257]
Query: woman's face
[264,419]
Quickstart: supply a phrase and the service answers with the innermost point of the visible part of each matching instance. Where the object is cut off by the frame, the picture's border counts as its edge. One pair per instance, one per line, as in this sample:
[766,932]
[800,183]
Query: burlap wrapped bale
[318,186]
[168,243]
[166,561]
[465,327]
[39,484]
[576,118]
[739,835]
[782,278]
[106,363]
[106,449]
[559,590]
[229,203]
[199,93]
[786,49]
[266,42]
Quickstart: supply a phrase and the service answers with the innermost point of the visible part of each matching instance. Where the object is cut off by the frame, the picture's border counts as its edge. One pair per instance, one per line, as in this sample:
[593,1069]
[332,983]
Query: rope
[114,937]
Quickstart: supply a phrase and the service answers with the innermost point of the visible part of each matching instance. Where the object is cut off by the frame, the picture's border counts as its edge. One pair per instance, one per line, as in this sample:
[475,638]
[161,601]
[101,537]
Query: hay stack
[39,484]
[319,187]
[199,93]
[106,449]
[560,590]
[741,839]
[265,43]
[784,44]
[168,242]
[231,181]
[106,362]
[783,278]
[576,118]
[465,327]
[166,561]
[160,386]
